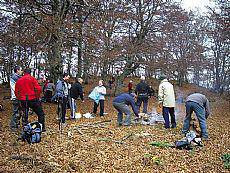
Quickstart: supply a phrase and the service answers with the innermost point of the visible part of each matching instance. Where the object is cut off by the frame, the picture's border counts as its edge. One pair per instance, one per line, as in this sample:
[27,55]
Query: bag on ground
[32,132]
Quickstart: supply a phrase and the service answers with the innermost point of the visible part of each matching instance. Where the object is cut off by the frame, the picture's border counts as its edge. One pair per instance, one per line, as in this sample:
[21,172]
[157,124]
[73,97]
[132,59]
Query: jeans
[200,114]
[101,102]
[36,106]
[122,108]
[73,108]
[166,112]
[15,118]
[143,99]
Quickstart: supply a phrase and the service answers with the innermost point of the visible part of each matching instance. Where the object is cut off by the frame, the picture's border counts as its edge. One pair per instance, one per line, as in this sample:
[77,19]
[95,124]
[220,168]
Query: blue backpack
[32,132]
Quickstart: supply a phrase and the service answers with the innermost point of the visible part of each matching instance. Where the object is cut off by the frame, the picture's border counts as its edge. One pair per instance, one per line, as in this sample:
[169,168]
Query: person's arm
[81,93]
[17,90]
[134,108]
[160,94]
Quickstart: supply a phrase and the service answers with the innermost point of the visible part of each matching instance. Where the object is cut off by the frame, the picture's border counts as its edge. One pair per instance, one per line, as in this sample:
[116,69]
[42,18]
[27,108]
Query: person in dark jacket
[28,92]
[142,92]
[76,91]
[121,104]
[199,104]
[15,119]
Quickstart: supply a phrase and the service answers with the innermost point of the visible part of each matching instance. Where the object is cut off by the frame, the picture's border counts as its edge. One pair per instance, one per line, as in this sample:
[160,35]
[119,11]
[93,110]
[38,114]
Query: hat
[142,78]
[162,77]
[130,81]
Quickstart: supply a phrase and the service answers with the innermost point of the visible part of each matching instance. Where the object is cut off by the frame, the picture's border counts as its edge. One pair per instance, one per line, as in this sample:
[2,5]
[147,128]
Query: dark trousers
[143,99]
[63,102]
[122,108]
[36,106]
[16,116]
[166,112]
[101,102]
[48,95]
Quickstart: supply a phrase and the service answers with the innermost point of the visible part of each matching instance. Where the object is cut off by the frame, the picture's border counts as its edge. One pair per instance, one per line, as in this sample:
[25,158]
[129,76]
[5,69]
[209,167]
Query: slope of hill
[99,145]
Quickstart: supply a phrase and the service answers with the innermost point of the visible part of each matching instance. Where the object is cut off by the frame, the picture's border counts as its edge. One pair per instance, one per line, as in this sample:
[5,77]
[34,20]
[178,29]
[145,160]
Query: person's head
[80,80]
[18,70]
[130,81]
[142,78]
[66,76]
[27,71]
[100,83]
[162,77]
[51,81]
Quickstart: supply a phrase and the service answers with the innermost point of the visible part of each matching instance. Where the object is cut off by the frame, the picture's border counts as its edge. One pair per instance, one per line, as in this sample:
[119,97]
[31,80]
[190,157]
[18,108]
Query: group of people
[195,102]
[26,93]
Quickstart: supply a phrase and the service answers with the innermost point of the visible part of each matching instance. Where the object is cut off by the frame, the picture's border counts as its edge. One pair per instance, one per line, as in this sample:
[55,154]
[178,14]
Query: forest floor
[99,145]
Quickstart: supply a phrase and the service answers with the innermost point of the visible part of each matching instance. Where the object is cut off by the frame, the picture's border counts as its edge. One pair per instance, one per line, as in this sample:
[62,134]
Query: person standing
[130,86]
[28,92]
[76,91]
[62,93]
[49,89]
[121,104]
[166,98]
[142,92]
[15,118]
[199,104]
[102,92]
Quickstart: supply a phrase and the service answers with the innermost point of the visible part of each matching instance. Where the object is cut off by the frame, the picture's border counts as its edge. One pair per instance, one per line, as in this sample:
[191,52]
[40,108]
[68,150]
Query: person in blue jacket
[121,104]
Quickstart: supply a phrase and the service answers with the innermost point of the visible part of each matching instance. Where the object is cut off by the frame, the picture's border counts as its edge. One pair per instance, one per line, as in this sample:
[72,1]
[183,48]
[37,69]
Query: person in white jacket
[166,97]
[102,91]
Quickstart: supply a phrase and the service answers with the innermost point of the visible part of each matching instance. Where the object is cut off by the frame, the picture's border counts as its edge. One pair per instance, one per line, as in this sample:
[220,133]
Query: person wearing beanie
[142,92]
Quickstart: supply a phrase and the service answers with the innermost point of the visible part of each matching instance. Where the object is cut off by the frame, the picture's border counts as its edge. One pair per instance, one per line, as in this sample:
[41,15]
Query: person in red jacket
[28,91]
[130,86]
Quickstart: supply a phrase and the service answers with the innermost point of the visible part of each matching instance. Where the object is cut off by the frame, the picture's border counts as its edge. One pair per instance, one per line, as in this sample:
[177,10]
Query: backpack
[32,132]
[186,143]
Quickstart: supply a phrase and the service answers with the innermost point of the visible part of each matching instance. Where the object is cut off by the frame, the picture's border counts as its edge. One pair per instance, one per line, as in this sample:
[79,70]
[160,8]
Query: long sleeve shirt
[102,91]
[201,100]
[128,100]
[13,80]
[27,87]
[166,94]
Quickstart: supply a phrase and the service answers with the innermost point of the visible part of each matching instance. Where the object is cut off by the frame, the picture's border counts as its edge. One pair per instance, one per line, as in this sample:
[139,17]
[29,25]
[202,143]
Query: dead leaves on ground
[99,145]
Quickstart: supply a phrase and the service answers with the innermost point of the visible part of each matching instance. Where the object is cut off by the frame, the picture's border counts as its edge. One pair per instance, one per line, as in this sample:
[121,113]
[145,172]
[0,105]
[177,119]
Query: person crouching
[121,104]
